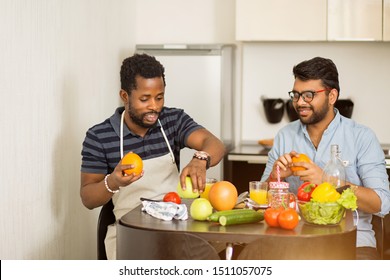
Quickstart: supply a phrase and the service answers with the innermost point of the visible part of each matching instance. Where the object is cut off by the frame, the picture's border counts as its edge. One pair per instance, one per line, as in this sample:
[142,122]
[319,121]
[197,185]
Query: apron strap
[166,140]
[162,131]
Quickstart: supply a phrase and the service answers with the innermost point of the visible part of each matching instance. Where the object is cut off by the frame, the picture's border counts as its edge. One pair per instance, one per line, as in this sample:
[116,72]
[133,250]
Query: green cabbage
[348,199]
[322,213]
[328,213]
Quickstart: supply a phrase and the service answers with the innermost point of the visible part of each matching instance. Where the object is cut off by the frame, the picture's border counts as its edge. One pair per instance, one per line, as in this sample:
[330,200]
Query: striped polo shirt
[101,147]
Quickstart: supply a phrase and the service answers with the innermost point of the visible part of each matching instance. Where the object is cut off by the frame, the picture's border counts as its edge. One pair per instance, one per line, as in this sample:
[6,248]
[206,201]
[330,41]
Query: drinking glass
[258,192]
[209,183]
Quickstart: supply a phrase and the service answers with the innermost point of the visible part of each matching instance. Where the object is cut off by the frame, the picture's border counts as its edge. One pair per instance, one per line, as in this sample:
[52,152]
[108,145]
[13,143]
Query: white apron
[161,176]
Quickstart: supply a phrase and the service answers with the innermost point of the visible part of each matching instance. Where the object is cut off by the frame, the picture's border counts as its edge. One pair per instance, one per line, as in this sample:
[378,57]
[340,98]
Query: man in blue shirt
[315,92]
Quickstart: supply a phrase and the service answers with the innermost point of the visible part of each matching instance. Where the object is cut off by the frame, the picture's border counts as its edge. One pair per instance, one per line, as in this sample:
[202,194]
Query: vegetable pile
[326,206]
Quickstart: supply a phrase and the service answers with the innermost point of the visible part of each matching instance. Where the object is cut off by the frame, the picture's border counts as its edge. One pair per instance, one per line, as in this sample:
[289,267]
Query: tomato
[305,190]
[288,218]
[172,197]
[271,216]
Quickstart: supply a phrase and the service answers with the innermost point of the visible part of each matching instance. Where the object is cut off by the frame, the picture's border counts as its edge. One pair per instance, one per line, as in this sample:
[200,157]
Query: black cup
[274,109]
[291,113]
[345,107]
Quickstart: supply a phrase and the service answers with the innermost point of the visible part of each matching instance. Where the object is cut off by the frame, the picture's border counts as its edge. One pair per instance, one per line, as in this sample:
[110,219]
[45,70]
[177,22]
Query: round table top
[243,233]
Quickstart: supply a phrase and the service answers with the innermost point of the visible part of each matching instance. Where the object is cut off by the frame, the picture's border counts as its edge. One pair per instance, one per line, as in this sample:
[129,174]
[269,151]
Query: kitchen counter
[254,153]
[247,162]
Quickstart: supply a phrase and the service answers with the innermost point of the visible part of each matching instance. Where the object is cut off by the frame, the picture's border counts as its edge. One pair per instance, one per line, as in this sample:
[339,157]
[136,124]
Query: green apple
[200,209]
[187,193]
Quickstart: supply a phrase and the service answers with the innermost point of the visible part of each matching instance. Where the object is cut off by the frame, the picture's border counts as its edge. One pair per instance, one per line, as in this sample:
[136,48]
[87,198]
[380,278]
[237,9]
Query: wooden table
[141,236]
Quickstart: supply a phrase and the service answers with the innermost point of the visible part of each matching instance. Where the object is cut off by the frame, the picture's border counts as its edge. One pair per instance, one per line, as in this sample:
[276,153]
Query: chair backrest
[381,226]
[142,244]
[106,218]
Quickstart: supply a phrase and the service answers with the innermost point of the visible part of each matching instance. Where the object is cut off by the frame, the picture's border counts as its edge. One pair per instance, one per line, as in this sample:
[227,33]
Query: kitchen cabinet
[386,20]
[313,20]
[281,20]
[243,164]
[355,20]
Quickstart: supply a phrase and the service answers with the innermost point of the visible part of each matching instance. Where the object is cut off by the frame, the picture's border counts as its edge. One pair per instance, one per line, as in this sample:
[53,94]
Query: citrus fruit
[187,193]
[135,160]
[223,195]
[299,158]
[200,209]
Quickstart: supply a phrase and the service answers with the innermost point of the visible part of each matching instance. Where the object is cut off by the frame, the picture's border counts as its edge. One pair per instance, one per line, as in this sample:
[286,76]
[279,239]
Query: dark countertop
[258,154]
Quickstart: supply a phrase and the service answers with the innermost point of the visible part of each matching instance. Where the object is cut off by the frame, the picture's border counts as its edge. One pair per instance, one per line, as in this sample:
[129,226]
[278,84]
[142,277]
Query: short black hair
[318,68]
[143,65]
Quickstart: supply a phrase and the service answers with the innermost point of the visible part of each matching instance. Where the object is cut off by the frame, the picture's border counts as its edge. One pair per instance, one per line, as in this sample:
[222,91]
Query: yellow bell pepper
[325,192]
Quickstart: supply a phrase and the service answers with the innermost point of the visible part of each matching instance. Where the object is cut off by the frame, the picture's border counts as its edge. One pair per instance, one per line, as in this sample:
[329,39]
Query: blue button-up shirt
[360,150]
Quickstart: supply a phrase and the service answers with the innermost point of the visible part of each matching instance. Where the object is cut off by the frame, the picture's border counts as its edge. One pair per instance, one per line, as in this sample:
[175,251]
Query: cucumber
[241,218]
[214,217]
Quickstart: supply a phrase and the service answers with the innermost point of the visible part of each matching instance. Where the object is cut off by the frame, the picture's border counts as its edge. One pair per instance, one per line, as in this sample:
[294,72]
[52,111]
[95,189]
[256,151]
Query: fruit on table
[172,197]
[325,192]
[251,216]
[134,159]
[200,209]
[305,191]
[299,158]
[271,216]
[187,193]
[223,195]
[288,218]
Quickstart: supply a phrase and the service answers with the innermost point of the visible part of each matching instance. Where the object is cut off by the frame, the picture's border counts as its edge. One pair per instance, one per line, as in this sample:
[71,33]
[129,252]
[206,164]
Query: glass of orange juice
[258,192]
[209,183]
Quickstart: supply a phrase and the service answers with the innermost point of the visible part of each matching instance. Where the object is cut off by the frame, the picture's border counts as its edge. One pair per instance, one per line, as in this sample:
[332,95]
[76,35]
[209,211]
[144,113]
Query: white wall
[59,74]
[364,71]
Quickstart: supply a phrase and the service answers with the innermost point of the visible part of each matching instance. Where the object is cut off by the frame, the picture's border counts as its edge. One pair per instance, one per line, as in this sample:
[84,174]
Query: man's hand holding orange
[297,161]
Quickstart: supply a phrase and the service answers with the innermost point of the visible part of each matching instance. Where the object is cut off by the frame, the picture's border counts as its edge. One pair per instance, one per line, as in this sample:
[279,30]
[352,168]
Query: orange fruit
[223,195]
[300,158]
[134,159]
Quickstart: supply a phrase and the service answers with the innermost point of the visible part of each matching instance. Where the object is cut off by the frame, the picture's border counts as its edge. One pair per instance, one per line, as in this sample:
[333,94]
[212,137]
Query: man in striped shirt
[154,132]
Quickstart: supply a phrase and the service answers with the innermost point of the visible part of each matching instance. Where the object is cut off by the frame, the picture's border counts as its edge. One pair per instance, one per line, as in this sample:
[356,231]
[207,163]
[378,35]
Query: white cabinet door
[281,20]
[386,20]
[355,20]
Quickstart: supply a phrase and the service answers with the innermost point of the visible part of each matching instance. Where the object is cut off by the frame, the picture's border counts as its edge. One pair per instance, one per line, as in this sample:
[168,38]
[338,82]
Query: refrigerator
[200,80]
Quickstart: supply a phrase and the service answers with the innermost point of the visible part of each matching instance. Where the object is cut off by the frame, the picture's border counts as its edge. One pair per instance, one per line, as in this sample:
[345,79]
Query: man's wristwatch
[203,156]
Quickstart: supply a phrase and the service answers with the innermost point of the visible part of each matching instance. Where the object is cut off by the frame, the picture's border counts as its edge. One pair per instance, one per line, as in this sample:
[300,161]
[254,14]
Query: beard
[138,118]
[317,115]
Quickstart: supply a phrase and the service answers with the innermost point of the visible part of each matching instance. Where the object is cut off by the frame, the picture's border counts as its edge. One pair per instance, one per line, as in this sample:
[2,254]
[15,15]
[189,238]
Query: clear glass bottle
[334,170]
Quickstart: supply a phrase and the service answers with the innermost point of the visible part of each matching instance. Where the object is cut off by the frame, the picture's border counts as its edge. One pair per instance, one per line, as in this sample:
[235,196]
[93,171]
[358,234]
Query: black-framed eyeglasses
[307,96]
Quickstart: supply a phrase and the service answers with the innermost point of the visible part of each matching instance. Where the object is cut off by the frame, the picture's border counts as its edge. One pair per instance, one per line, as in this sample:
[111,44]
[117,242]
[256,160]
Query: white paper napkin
[165,210]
